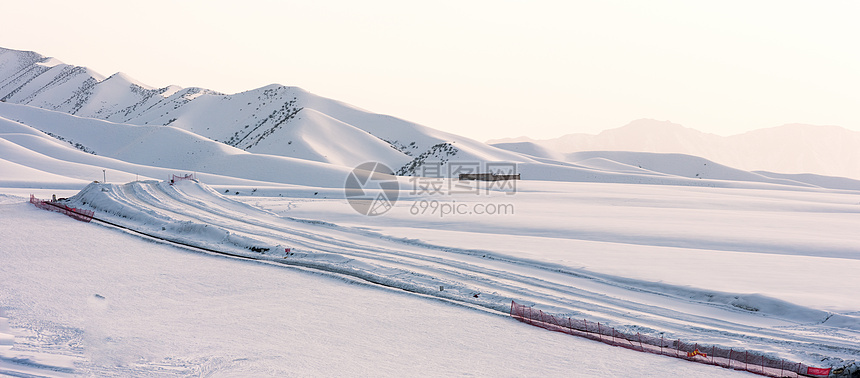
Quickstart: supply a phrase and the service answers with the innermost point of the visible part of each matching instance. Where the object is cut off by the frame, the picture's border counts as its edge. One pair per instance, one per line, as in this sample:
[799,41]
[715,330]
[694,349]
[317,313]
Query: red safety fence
[750,361]
[79,214]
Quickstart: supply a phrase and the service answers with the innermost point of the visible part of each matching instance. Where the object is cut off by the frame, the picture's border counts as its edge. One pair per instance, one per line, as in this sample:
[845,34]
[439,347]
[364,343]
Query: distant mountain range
[63,125]
[794,148]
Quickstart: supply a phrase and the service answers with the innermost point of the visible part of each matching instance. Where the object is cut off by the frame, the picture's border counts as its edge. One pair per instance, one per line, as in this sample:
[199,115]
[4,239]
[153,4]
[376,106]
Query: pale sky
[484,69]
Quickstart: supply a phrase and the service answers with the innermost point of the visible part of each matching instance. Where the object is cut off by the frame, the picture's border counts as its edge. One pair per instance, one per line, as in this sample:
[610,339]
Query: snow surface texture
[645,242]
[118,305]
[692,299]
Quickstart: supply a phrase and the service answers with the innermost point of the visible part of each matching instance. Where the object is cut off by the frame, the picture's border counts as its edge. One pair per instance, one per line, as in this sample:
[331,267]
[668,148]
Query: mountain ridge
[274,119]
[789,149]
[300,133]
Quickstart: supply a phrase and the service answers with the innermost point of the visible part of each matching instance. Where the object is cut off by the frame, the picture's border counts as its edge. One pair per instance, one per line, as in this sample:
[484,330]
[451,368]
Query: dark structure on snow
[488,177]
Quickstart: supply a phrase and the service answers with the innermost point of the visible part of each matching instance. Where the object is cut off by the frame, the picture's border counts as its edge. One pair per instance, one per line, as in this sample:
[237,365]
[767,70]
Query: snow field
[129,306]
[195,214]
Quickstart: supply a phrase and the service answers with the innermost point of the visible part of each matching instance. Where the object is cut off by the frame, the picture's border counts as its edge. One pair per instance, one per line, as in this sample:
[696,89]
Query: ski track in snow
[195,214]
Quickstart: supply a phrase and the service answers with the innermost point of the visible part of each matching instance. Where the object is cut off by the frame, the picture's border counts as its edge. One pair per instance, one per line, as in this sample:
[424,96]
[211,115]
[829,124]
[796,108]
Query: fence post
[678,349]
[661,345]
[628,340]
[639,337]
[713,348]
[600,336]
[730,357]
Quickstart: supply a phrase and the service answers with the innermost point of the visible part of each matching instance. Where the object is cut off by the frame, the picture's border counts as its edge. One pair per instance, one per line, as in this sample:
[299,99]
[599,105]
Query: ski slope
[195,214]
[102,302]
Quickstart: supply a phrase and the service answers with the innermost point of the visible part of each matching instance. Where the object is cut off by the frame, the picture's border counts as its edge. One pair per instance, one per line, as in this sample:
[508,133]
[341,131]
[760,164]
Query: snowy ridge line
[753,361]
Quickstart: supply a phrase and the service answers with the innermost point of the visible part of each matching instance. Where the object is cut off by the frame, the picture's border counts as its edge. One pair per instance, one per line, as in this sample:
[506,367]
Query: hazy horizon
[650,122]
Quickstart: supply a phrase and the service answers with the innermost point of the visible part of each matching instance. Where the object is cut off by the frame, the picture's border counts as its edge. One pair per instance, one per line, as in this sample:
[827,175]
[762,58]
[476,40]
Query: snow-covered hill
[794,148]
[149,151]
[49,142]
[274,120]
[55,144]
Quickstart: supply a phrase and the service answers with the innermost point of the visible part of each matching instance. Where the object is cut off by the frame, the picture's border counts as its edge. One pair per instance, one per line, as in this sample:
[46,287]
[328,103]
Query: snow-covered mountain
[793,148]
[279,134]
[54,143]
[273,120]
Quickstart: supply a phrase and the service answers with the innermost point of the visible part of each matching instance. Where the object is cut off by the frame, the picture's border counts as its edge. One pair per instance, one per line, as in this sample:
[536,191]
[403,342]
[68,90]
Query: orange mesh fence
[751,361]
[79,214]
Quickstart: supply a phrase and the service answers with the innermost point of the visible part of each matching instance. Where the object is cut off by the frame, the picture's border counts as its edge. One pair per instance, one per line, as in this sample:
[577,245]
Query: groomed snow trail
[195,214]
